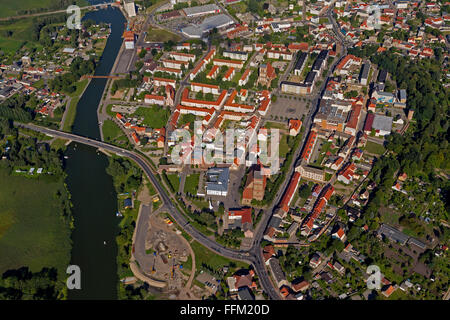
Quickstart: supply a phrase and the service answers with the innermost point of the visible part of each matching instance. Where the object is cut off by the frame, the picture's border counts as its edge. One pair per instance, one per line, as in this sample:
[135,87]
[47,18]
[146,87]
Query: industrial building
[201,10]
[198,31]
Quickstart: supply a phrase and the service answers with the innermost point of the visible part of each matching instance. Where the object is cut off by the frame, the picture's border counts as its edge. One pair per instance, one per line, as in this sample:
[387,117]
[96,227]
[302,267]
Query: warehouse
[198,31]
[201,10]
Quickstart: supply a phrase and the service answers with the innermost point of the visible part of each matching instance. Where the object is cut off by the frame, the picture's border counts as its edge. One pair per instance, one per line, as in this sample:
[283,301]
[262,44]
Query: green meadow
[31,231]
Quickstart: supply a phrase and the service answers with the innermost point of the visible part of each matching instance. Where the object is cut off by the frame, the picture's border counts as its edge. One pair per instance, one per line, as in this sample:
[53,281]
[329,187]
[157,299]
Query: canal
[93,196]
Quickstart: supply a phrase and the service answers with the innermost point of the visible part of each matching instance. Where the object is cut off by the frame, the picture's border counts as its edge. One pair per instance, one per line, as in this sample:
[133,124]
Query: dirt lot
[167,251]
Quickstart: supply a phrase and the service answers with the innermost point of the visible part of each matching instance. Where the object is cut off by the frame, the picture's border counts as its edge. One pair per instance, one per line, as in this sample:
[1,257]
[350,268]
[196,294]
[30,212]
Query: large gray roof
[382,123]
[218,179]
[217,21]
[393,234]
[201,9]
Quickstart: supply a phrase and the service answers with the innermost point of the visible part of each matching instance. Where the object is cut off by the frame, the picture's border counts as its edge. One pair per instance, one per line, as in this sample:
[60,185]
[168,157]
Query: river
[92,190]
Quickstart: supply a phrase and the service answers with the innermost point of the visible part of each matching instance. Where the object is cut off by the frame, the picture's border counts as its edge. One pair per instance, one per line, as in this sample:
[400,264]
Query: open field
[374,148]
[191,184]
[212,259]
[19,32]
[275,125]
[72,107]
[18,7]
[174,181]
[31,231]
[154,117]
[155,5]
[113,134]
[110,130]
[160,35]
[284,147]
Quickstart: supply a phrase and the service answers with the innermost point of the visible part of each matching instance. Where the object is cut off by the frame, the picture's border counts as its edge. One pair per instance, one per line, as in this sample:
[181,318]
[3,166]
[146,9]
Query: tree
[304,191]
[143,53]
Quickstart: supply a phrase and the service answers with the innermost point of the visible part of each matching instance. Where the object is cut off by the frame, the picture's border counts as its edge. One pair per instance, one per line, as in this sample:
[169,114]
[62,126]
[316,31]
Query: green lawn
[151,189]
[20,33]
[191,183]
[31,231]
[205,256]
[275,125]
[114,135]
[374,148]
[174,181]
[160,35]
[154,117]
[72,108]
[80,85]
[201,204]
[284,147]
[110,130]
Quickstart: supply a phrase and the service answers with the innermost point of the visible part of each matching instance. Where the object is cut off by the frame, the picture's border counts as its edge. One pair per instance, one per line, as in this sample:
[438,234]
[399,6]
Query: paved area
[125,61]
[290,108]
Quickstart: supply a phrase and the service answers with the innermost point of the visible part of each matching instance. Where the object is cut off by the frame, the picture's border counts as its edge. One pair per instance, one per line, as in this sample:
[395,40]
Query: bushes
[126,175]
[14,108]
[78,68]
[22,284]
[123,83]
[230,238]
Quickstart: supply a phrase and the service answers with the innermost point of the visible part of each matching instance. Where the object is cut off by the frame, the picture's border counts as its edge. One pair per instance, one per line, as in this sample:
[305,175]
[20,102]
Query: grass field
[151,189]
[154,117]
[275,125]
[212,259]
[31,232]
[200,204]
[191,183]
[110,130]
[174,181]
[160,35]
[13,8]
[284,147]
[374,148]
[20,33]
[155,5]
[72,107]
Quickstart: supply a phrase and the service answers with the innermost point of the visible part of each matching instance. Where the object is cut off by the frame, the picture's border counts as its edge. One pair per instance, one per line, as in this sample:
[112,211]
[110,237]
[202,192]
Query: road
[255,250]
[179,218]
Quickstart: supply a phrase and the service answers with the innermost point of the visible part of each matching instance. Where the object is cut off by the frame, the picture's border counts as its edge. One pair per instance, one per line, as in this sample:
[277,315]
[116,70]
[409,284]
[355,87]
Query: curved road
[177,216]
